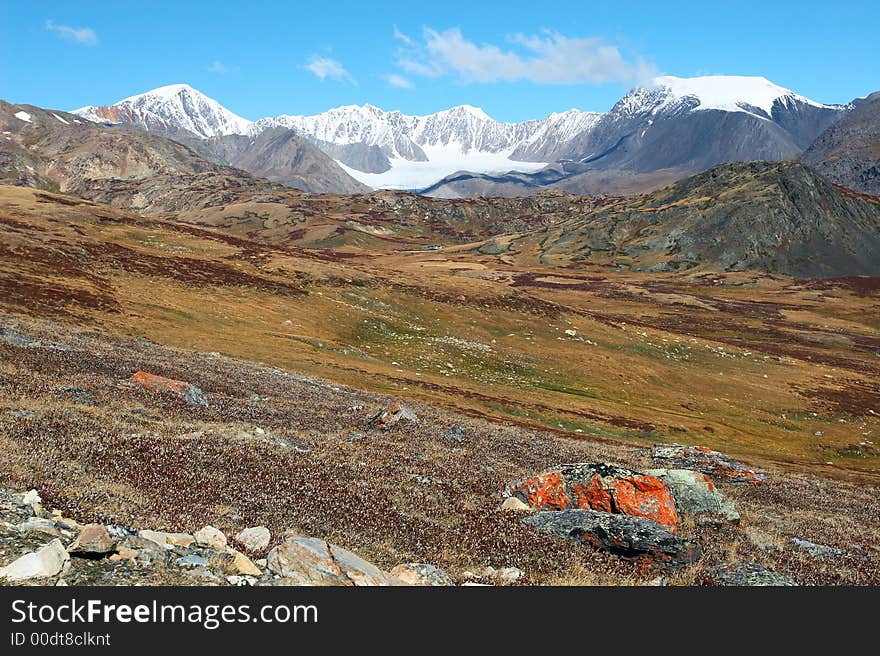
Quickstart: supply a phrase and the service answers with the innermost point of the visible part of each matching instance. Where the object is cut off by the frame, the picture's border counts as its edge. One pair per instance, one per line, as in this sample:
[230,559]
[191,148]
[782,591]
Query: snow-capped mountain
[169,110]
[686,123]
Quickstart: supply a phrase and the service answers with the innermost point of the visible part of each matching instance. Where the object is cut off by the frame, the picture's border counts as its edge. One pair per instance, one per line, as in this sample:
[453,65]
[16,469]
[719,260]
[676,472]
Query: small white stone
[30,498]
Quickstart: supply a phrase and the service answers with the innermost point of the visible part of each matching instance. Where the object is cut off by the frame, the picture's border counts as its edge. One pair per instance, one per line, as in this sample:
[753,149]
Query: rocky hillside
[281,156]
[779,217]
[110,449]
[849,151]
[62,152]
[65,152]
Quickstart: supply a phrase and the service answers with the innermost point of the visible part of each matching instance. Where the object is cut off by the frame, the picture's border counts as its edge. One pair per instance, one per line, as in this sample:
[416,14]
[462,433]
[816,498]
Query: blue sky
[514,59]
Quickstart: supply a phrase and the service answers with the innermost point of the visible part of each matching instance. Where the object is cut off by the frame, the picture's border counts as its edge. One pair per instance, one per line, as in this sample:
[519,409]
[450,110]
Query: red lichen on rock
[602,487]
[545,491]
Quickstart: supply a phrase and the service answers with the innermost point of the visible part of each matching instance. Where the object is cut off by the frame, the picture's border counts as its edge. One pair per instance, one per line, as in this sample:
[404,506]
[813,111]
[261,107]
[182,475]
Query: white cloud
[399,81]
[83,35]
[546,58]
[324,67]
[400,36]
[218,67]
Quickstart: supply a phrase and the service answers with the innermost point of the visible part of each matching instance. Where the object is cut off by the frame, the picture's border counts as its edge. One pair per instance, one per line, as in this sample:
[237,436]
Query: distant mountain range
[654,134]
[781,217]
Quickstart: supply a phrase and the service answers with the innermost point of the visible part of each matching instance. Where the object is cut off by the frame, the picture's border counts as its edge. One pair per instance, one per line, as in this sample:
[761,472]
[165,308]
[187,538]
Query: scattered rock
[599,486]
[93,540]
[388,417]
[455,433]
[421,574]
[748,574]
[695,494]
[189,393]
[209,536]
[254,539]
[510,574]
[705,460]
[817,550]
[40,525]
[13,337]
[78,393]
[43,563]
[633,538]
[30,498]
[243,565]
[515,504]
[192,561]
[158,537]
[184,540]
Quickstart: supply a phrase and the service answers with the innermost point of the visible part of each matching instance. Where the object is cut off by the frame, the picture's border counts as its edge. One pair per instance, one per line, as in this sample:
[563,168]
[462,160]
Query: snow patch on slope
[23,116]
[731,93]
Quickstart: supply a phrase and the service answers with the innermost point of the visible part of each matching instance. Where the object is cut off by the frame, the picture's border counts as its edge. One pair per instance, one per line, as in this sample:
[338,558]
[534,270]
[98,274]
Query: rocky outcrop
[748,574]
[713,463]
[695,493]
[186,391]
[599,486]
[632,538]
[387,418]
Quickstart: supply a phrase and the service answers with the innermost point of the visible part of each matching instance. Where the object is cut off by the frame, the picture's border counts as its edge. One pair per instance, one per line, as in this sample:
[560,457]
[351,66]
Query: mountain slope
[281,156]
[774,216]
[849,151]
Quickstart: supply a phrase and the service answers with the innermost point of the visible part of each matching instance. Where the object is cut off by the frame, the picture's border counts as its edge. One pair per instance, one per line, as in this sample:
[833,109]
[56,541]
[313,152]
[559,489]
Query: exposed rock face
[694,493]
[282,156]
[749,574]
[599,486]
[189,393]
[633,538]
[849,151]
[713,463]
[421,574]
[43,563]
[388,417]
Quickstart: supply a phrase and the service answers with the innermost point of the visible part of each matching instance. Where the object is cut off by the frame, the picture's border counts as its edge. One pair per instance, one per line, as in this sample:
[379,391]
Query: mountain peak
[166,92]
[732,93]
[172,108]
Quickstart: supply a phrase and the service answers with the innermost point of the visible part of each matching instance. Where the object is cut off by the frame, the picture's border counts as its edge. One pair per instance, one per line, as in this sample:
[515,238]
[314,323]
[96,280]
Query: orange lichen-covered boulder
[189,393]
[707,461]
[602,487]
